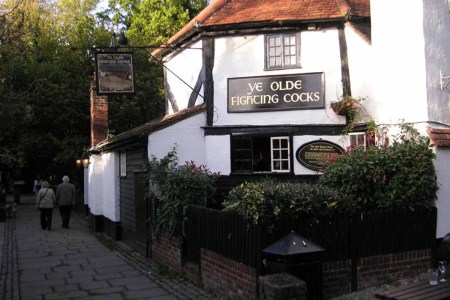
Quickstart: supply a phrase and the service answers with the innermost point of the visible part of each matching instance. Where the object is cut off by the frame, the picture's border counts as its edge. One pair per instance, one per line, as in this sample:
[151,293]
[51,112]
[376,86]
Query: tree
[44,110]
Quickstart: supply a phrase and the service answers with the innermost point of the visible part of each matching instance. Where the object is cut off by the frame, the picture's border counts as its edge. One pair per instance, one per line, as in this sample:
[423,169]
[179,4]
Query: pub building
[249,86]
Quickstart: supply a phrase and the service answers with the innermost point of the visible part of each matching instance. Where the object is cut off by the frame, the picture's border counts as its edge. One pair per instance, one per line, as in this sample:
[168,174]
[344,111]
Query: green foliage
[400,175]
[397,176]
[268,200]
[175,188]
[151,22]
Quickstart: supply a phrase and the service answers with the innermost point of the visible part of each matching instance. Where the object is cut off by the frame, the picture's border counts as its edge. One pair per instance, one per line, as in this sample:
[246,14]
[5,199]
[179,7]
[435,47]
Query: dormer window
[282,51]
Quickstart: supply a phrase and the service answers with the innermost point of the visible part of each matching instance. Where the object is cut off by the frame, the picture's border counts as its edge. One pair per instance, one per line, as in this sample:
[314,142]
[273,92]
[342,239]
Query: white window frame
[280,50]
[283,157]
[354,136]
[123,164]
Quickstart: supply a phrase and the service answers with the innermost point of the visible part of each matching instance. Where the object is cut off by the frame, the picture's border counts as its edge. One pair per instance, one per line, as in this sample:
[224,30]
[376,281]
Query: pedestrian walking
[65,199]
[45,202]
[37,185]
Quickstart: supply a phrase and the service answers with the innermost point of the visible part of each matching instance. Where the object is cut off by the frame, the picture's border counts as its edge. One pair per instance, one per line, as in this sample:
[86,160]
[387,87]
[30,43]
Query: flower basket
[347,106]
[340,109]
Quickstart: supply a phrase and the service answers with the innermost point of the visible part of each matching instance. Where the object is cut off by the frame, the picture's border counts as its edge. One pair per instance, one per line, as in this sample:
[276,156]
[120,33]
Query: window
[358,139]
[123,164]
[282,51]
[364,139]
[259,154]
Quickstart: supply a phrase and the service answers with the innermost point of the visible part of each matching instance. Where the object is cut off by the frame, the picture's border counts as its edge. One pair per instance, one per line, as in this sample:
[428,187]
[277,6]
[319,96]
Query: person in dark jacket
[65,199]
[45,202]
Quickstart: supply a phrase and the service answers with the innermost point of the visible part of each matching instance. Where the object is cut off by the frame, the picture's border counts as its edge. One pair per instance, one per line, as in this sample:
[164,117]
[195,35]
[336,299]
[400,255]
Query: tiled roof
[154,125]
[440,137]
[235,12]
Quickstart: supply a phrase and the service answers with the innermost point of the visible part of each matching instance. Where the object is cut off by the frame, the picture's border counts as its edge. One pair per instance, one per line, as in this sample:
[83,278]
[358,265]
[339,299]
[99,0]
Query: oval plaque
[315,154]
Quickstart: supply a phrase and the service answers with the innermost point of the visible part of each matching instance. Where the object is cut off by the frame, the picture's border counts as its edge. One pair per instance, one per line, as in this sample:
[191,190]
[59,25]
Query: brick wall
[337,276]
[384,268]
[227,277]
[373,271]
[99,116]
[168,253]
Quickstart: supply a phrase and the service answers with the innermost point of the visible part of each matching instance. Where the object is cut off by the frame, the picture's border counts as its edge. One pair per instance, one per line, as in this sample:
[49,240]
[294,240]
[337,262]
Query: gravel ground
[369,294]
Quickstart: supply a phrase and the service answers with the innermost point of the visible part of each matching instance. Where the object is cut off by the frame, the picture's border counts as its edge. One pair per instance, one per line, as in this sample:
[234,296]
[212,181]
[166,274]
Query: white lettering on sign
[302,97]
[257,99]
[287,85]
[256,86]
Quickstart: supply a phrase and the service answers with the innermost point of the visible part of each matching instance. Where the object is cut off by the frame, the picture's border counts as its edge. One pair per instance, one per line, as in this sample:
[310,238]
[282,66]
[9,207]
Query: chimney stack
[99,116]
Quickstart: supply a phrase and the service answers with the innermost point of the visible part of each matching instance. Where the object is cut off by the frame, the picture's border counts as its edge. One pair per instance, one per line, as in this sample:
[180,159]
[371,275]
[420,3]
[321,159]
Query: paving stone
[66,288]
[34,293]
[107,291]
[142,285]
[91,285]
[83,273]
[108,276]
[69,294]
[129,280]
[74,264]
[146,293]
[110,297]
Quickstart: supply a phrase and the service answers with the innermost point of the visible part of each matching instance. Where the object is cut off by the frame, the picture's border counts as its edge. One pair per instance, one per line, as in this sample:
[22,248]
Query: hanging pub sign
[314,155]
[114,73]
[281,92]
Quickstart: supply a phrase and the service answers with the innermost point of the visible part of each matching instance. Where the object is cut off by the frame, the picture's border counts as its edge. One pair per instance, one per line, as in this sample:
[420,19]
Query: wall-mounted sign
[315,154]
[282,92]
[114,73]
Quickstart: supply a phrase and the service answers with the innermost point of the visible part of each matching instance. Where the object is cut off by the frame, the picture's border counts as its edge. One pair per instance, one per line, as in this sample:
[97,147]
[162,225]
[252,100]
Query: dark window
[255,154]
[282,51]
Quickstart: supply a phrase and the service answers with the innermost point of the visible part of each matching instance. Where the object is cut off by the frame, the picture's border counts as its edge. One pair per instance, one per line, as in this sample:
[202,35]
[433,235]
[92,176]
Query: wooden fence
[342,236]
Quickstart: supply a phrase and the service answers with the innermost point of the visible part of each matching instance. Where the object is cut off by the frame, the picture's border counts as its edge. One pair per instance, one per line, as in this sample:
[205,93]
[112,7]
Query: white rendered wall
[187,134]
[437,51]
[360,63]
[218,155]
[443,202]
[103,186]
[111,186]
[187,65]
[95,179]
[399,61]
[319,53]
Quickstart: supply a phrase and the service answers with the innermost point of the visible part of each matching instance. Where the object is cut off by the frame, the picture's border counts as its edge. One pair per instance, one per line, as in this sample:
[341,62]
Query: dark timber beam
[208,83]
[345,73]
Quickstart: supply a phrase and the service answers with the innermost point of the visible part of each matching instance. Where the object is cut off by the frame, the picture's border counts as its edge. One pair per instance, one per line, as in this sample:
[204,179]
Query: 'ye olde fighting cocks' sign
[282,92]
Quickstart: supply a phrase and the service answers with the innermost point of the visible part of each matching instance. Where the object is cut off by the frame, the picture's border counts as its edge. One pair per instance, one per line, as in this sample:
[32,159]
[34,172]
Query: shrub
[397,176]
[267,201]
[400,175]
[174,189]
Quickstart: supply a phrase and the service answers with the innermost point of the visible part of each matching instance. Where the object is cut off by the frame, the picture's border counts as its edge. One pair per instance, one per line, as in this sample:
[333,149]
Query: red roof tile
[234,12]
[439,136]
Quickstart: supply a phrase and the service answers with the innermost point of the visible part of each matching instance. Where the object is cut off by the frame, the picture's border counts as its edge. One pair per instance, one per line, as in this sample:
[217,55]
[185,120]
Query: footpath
[74,264]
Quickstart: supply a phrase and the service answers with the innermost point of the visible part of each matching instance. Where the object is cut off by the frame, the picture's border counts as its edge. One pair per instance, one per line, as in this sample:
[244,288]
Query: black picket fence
[342,236]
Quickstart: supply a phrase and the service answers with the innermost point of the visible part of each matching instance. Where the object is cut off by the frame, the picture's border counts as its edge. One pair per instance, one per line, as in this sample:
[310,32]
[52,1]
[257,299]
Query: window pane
[276,143]
[284,143]
[278,61]
[284,153]
[285,165]
[277,41]
[276,154]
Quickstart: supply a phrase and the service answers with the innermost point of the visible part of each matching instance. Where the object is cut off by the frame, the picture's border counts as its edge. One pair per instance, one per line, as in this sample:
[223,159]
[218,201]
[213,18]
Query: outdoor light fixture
[118,41]
[83,161]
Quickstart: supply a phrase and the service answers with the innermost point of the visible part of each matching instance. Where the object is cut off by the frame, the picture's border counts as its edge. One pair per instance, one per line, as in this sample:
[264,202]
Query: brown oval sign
[315,154]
